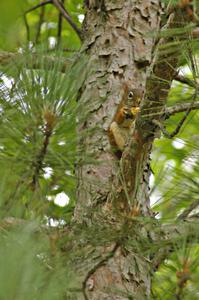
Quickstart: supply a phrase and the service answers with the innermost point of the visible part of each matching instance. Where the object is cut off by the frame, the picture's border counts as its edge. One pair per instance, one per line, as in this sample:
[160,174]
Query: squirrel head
[132,96]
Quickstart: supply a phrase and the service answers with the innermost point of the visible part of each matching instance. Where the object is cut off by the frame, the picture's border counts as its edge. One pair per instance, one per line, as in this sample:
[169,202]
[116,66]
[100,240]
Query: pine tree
[58,103]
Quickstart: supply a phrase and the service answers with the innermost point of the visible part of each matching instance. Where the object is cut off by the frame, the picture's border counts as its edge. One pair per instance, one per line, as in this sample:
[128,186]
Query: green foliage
[28,269]
[37,160]
[37,99]
[38,137]
[177,158]
[179,275]
[17,23]
[38,153]
[176,166]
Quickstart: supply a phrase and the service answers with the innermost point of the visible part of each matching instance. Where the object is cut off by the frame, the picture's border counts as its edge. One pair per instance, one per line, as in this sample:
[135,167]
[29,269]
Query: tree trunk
[120,42]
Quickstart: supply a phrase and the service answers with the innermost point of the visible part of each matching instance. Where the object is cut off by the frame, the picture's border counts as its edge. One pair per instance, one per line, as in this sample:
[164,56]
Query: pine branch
[38,165]
[188,210]
[174,235]
[36,61]
[170,111]
[175,132]
[185,80]
[62,10]
[194,216]
[180,124]
[38,5]
[50,121]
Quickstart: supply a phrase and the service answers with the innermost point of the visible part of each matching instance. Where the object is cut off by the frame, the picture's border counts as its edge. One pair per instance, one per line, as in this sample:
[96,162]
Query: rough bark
[121,49]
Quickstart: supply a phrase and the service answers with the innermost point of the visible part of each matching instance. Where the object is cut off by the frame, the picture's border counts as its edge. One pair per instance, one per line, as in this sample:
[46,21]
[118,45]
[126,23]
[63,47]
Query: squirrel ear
[131,95]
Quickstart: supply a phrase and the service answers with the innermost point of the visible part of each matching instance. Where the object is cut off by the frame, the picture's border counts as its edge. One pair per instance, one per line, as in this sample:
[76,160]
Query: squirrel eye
[131,94]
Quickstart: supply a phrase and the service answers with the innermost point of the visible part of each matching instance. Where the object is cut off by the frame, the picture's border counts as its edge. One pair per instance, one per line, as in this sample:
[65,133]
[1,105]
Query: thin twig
[176,131]
[194,216]
[62,10]
[183,275]
[41,19]
[185,80]
[170,111]
[50,121]
[69,50]
[179,126]
[38,5]
[66,15]
[188,210]
[59,31]
[40,158]
[27,27]
[193,63]
[64,50]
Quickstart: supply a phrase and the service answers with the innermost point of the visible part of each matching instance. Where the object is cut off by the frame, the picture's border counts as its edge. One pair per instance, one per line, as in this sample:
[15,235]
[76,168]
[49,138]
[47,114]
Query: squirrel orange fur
[124,118]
